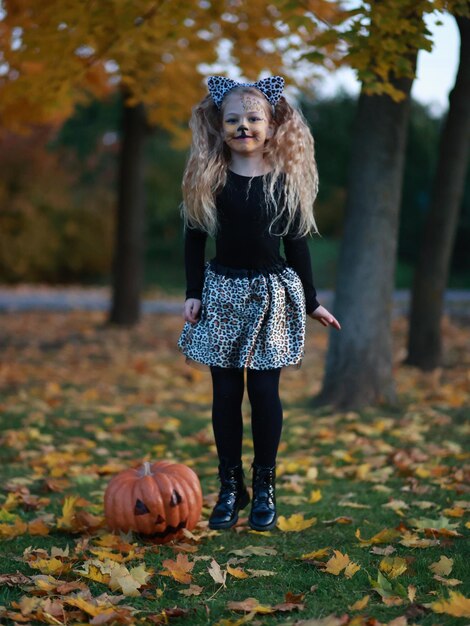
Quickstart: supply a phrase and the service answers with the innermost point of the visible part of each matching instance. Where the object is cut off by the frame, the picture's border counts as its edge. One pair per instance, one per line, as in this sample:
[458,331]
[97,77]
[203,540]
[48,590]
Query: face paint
[250,103]
[245,122]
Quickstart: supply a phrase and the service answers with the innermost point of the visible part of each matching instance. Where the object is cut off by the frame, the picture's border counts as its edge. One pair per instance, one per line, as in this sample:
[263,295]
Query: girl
[250,181]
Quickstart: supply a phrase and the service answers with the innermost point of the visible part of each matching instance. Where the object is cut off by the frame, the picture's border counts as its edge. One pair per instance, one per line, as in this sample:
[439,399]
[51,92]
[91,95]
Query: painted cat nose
[242,128]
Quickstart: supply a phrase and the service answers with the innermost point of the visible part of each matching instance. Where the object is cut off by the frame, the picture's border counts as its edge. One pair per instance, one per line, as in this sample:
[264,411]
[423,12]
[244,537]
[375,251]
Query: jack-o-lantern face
[157,500]
[141,508]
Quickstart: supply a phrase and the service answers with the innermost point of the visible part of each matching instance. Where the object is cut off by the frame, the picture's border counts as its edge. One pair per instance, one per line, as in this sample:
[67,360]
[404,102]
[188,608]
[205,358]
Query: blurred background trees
[92,193]
[73,174]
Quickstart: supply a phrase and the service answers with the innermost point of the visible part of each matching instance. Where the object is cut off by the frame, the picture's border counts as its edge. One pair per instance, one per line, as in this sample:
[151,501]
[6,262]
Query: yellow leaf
[317,554]
[94,570]
[315,496]
[456,511]
[360,604]
[411,540]
[68,513]
[50,566]
[384,536]
[82,604]
[457,605]
[106,554]
[46,583]
[411,593]
[128,581]
[295,522]
[362,471]
[10,503]
[393,566]
[237,572]
[140,574]
[337,563]
[443,567]
[351,569]
[18,528]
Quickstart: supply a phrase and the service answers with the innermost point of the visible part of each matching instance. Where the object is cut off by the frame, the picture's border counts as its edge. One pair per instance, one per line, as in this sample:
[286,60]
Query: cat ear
[271,87]
[218,86]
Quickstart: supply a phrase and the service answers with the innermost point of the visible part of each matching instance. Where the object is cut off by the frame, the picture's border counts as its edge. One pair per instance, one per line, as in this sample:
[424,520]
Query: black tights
[266,413]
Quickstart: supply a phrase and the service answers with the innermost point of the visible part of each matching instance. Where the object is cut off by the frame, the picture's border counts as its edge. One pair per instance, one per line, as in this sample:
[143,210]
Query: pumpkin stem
[145,469]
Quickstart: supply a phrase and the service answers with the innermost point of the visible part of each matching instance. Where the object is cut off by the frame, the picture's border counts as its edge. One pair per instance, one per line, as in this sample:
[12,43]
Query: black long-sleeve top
[243,240]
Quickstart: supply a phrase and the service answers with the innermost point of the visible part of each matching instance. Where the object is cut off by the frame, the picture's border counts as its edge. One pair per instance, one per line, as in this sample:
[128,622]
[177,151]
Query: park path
[73,298]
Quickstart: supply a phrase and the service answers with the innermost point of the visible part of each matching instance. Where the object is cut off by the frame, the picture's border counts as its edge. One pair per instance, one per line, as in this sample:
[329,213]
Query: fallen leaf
[68,513]
[383,551]
[411,593]
[384,536]
[50,566]
[443,567]
[217,574]
[448,582]
[179,569]
[315,496]
[393,566]
[254,550]
[12,580]
[260,572]
[237,572]
[337,563]
[359,604]
[294,523]
[250,605]
[192,590]
[350,569]
[342,519]
[457,605]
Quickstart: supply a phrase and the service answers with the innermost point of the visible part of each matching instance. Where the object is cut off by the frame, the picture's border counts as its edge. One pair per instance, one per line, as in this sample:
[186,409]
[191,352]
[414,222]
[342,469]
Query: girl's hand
[192,307]
[323,316]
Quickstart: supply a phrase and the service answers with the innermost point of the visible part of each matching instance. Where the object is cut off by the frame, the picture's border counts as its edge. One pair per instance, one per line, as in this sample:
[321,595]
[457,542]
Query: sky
[436,70]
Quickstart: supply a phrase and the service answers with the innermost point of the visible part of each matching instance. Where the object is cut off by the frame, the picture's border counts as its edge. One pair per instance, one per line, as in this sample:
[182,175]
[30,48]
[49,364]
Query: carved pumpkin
[157,500]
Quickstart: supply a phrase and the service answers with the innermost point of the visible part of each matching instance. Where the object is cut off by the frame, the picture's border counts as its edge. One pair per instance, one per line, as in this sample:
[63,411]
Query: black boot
[233,496]
[263,514]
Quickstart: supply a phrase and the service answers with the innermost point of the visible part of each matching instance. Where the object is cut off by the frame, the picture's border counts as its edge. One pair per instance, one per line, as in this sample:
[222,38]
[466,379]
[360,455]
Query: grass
[121,397]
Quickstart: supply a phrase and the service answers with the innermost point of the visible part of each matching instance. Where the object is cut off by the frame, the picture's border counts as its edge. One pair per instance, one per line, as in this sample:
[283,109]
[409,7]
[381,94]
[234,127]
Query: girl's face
[245,124]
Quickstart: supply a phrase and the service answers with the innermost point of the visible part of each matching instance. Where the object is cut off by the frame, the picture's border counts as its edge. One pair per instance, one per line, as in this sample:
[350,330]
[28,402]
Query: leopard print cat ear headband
[270,87]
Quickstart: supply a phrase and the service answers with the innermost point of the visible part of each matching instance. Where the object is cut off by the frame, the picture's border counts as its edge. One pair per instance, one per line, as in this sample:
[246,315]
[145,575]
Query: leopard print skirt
[249,319]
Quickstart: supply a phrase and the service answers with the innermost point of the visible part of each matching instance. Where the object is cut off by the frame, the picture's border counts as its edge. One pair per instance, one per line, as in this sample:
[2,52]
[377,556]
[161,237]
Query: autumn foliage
[374,511]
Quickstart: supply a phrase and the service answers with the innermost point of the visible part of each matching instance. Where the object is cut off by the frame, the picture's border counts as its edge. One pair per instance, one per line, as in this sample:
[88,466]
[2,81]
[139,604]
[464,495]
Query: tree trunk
[430,280]
[129,244]
[359,360]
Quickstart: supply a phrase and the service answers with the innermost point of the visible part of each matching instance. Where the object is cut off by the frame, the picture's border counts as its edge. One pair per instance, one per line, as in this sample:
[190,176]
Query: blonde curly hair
[289,153]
